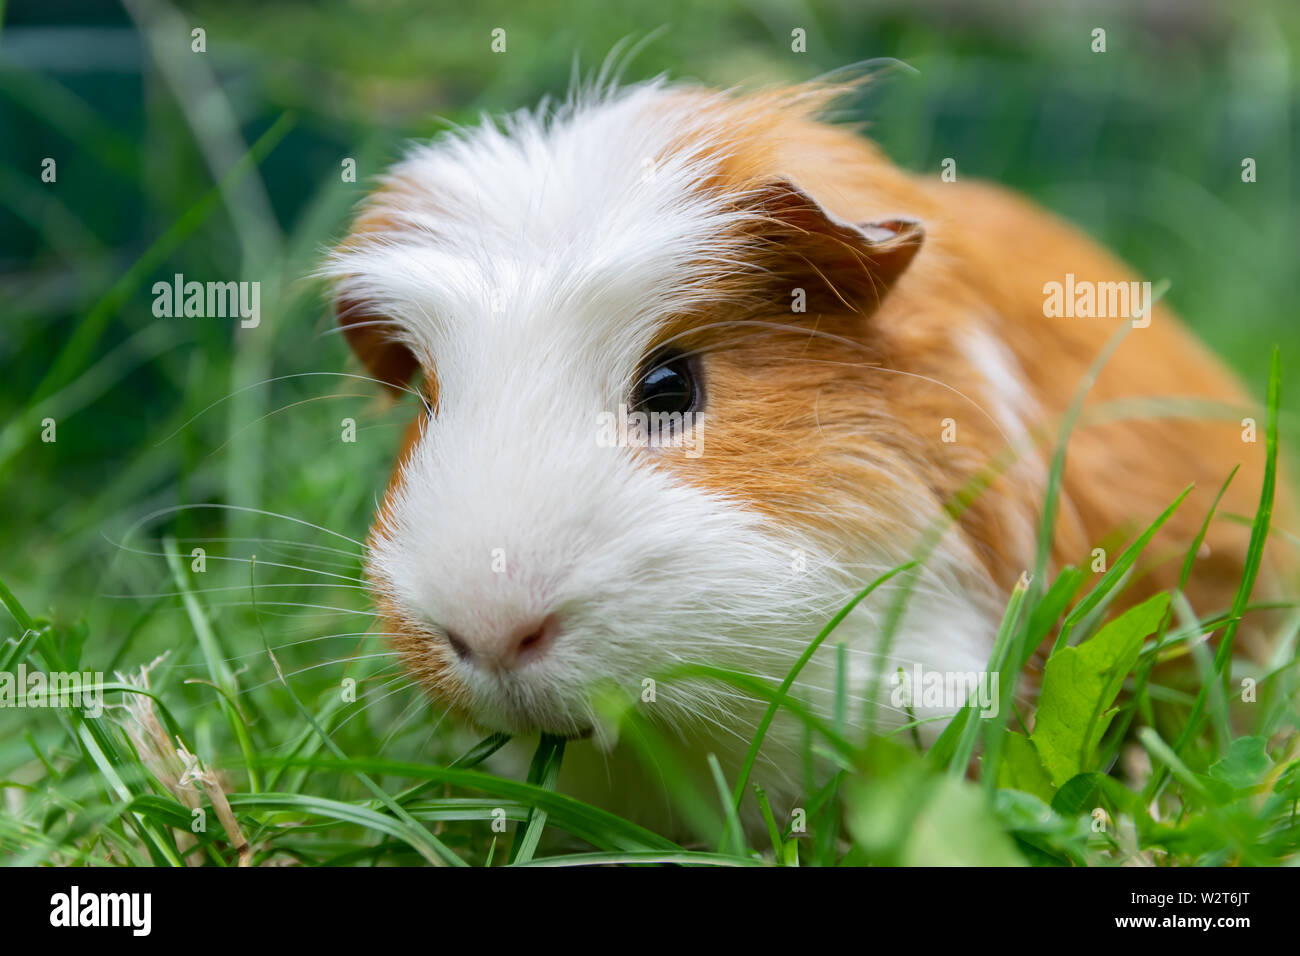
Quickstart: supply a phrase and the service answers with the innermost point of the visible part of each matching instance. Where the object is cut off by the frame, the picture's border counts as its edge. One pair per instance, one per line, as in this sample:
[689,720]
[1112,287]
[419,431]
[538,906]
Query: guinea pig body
[845,346]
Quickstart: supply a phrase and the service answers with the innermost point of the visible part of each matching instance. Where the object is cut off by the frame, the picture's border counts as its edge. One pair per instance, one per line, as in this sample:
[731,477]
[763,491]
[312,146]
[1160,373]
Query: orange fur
[847,401]
[793,413]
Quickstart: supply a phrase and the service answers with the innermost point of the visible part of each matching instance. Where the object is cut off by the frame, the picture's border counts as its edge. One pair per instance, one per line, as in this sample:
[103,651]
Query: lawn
[182,514]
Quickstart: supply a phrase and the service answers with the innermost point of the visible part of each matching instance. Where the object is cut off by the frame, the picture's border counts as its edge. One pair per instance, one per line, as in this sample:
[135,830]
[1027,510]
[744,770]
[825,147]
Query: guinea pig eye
[667,385]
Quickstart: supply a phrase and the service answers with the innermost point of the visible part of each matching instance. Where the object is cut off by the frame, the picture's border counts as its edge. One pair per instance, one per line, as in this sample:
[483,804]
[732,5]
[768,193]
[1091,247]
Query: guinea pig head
[636,333]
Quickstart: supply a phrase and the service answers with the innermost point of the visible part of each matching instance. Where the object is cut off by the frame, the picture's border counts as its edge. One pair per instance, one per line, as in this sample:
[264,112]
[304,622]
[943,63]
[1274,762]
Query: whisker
[224,557]
[279,647]
[370,703]
[277,411]
[243,509]
[232,587]
[405,717]
[257,605]
[312,667]
[272,541]
[281,378]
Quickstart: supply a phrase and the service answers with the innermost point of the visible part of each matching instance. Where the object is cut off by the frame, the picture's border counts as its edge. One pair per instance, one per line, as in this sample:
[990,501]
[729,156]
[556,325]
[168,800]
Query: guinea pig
[835,349]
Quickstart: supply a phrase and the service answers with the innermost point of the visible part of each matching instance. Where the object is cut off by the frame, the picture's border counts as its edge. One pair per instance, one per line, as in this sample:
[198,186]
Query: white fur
[1016,411]
[542,256]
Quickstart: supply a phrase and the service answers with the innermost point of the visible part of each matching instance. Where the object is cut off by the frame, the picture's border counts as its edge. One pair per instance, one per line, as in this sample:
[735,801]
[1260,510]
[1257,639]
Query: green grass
[90,792]
[176,436]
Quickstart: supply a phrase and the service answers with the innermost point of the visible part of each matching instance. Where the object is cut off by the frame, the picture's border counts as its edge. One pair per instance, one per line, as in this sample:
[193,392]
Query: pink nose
[513,648]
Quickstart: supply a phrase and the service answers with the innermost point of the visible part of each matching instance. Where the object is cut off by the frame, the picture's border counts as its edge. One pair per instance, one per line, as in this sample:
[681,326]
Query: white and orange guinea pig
[841,347]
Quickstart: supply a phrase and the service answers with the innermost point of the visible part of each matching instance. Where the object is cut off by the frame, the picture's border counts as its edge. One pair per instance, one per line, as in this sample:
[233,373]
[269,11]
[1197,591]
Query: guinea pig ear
[374,340]
[858,263]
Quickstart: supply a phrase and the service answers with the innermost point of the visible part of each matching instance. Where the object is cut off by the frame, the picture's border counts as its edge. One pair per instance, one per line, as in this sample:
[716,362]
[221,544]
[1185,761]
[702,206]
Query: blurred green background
[1141,146]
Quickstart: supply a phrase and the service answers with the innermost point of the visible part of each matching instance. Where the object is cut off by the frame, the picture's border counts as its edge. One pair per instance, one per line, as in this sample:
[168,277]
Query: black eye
[667,385]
